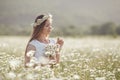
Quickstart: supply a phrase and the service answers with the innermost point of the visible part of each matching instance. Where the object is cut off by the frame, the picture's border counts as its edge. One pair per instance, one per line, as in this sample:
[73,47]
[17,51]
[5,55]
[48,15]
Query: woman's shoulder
[33,42]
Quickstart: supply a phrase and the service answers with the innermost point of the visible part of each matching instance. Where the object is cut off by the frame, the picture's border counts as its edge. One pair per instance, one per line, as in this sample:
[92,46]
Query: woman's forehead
[49,20]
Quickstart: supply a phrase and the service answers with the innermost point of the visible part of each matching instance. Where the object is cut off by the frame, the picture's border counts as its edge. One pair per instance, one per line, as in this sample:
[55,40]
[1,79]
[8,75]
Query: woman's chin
[49,32]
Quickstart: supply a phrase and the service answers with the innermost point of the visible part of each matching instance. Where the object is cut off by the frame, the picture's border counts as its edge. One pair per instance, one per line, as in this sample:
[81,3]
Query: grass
[90,58]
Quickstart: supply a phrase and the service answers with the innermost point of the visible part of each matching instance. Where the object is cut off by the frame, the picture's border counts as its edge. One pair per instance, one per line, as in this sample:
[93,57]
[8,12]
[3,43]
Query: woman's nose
[51,28]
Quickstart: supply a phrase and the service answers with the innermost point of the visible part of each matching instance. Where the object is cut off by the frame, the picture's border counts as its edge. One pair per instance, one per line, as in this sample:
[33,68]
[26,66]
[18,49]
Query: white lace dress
[40,50]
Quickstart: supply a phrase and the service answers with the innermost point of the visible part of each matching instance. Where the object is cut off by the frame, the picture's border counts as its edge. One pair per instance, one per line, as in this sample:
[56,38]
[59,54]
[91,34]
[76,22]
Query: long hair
[37,30]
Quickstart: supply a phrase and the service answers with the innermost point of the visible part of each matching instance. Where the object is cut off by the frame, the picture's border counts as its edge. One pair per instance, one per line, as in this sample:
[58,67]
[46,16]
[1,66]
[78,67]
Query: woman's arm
[57,57]
[60,42]
[28,48]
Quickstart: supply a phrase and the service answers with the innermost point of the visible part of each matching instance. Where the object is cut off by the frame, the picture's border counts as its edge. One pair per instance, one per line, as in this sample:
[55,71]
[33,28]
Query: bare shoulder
[31,47]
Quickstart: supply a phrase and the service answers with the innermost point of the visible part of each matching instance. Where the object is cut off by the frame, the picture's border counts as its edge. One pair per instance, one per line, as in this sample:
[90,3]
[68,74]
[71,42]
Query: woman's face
[48,26]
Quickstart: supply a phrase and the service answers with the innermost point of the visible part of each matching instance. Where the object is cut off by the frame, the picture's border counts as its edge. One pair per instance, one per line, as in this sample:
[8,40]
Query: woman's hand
[60,42]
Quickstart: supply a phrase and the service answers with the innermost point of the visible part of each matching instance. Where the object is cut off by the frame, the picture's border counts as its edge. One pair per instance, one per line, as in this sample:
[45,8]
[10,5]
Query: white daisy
[30,53]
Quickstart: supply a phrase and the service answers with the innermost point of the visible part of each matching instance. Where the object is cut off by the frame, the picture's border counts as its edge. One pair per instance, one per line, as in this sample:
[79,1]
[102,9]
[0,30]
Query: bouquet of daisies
[51,49]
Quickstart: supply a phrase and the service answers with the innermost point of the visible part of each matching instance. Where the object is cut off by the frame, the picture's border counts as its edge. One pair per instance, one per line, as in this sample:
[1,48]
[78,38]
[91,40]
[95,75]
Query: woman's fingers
[60,41]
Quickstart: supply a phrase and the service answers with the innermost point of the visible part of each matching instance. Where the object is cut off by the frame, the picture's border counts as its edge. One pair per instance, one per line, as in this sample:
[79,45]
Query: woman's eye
[47,26]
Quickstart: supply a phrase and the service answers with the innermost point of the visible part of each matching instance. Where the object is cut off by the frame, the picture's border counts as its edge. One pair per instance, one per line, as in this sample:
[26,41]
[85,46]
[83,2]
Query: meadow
[86,58]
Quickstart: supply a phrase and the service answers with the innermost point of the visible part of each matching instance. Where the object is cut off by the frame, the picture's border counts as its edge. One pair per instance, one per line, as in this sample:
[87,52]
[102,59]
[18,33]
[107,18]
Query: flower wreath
[39,21]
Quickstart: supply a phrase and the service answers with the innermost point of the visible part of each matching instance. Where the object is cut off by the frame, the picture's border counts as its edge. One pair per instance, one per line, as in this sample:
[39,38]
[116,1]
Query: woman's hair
[39,24]
[37,29]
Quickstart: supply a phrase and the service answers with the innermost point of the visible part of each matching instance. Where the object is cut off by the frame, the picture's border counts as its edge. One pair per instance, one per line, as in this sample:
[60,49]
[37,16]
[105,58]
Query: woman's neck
[43,38]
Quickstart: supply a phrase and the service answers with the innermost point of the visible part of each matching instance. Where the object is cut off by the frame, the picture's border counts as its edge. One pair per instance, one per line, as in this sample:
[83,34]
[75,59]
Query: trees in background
[14,30]
[108,28]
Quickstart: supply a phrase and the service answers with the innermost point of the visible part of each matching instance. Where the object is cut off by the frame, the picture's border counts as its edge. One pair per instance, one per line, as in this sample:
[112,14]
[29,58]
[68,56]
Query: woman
[39,39]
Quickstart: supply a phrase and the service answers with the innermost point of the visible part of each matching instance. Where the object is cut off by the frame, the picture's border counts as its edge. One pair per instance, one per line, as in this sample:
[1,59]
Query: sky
[77,12]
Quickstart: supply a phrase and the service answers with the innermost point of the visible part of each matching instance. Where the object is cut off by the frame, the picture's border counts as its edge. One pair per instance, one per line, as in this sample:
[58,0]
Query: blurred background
[74,18]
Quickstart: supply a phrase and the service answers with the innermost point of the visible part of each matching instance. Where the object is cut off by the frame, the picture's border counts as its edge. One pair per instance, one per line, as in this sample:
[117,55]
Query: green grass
[89,58]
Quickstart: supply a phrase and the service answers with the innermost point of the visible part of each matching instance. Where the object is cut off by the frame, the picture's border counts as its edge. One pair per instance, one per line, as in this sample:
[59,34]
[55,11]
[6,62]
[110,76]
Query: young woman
[40,38]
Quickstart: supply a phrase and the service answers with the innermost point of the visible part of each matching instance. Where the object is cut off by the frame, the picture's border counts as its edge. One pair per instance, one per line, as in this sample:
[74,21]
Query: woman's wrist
[60,48]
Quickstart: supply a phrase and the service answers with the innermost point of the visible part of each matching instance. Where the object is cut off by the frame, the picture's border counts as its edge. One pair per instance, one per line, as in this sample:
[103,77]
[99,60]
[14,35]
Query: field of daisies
[88,58]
